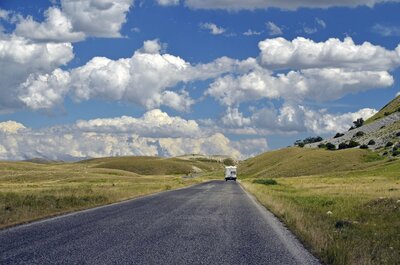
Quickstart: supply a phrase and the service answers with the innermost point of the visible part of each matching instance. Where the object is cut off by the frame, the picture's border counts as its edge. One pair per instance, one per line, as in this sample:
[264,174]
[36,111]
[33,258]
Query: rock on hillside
[381,131]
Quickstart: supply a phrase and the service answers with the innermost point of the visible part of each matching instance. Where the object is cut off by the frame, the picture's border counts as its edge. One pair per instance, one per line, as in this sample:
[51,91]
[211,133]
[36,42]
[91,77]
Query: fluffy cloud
[142,79]
[11,127]
[45,91]
[283,4]
[323,71]
[154,123]
[323,122]
[214,29]
[76,20]
[251,147]
[66,143]
[291,118]
[316,84]
[20,58]
[57,27]
[302,53]
[213,144]
[98,18]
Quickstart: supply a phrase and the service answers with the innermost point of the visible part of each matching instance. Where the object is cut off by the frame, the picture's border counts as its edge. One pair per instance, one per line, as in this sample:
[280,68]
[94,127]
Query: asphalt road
[211,223]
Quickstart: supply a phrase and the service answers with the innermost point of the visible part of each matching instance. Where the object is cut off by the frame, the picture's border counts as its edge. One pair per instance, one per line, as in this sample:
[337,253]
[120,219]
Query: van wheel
[234,179]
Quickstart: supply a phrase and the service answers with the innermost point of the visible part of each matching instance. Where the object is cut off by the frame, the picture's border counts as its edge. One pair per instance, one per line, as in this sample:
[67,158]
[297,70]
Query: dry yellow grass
[30,191]
[344,217]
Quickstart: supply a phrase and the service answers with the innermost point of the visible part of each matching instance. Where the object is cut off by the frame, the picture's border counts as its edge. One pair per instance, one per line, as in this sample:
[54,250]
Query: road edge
[287,237]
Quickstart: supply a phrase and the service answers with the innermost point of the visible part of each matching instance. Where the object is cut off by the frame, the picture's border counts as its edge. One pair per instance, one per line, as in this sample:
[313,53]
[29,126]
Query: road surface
[210,223]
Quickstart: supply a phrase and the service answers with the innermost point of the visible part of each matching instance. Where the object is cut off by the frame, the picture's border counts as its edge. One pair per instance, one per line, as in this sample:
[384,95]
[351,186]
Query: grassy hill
[345,204]
[145,165]
[388,109]
[294,161]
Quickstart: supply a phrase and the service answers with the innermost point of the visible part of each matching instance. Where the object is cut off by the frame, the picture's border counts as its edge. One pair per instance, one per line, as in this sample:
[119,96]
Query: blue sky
[87,78]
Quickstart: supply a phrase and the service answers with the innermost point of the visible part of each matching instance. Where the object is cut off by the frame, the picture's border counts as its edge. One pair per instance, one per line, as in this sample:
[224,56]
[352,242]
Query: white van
[230,173]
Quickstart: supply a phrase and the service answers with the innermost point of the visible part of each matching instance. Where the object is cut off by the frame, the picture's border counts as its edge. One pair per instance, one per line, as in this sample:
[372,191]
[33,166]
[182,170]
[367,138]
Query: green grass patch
[265,181]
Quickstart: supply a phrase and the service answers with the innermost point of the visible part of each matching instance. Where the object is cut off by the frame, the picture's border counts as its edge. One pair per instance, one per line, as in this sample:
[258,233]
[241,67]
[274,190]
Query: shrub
[359,122]
[297,142]
[265,181]
[386,113]
[351,128]
[398,134]
[388,144]
[342,146]
[330,146]
[385,153]
[321,145]
[371,142]
[364,146]
[353,144]
[359,134]
[308,140]
[338,135]
[228,162]
[396,153]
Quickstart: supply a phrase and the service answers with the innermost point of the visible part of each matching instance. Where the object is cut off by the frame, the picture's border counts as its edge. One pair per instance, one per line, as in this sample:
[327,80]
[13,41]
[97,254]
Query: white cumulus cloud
[154,123]
[98,18]
[75,20]
[20,58]
[143,79]
[97,138]
[324,84]
[57,27]
[11,126]
[301,53]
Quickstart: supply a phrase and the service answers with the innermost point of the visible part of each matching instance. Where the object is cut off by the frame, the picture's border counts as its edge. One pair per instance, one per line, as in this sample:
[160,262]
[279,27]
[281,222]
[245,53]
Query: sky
[94,78]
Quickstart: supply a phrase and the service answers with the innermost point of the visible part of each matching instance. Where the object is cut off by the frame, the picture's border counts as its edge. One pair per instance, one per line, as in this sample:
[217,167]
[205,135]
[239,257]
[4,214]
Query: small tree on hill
[359,122]
[330,146]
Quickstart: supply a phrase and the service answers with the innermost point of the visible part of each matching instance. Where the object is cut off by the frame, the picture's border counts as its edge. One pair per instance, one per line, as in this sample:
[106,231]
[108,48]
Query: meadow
[31,191]
[347,215]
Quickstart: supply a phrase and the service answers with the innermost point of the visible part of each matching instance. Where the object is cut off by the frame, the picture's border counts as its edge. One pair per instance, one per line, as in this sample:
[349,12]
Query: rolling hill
[392,107]
[146,165]
[296,161]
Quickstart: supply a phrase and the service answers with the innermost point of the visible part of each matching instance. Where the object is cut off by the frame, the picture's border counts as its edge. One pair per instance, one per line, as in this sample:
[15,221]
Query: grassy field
[155,165]
[294,161]
[30,191]
[350,215]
